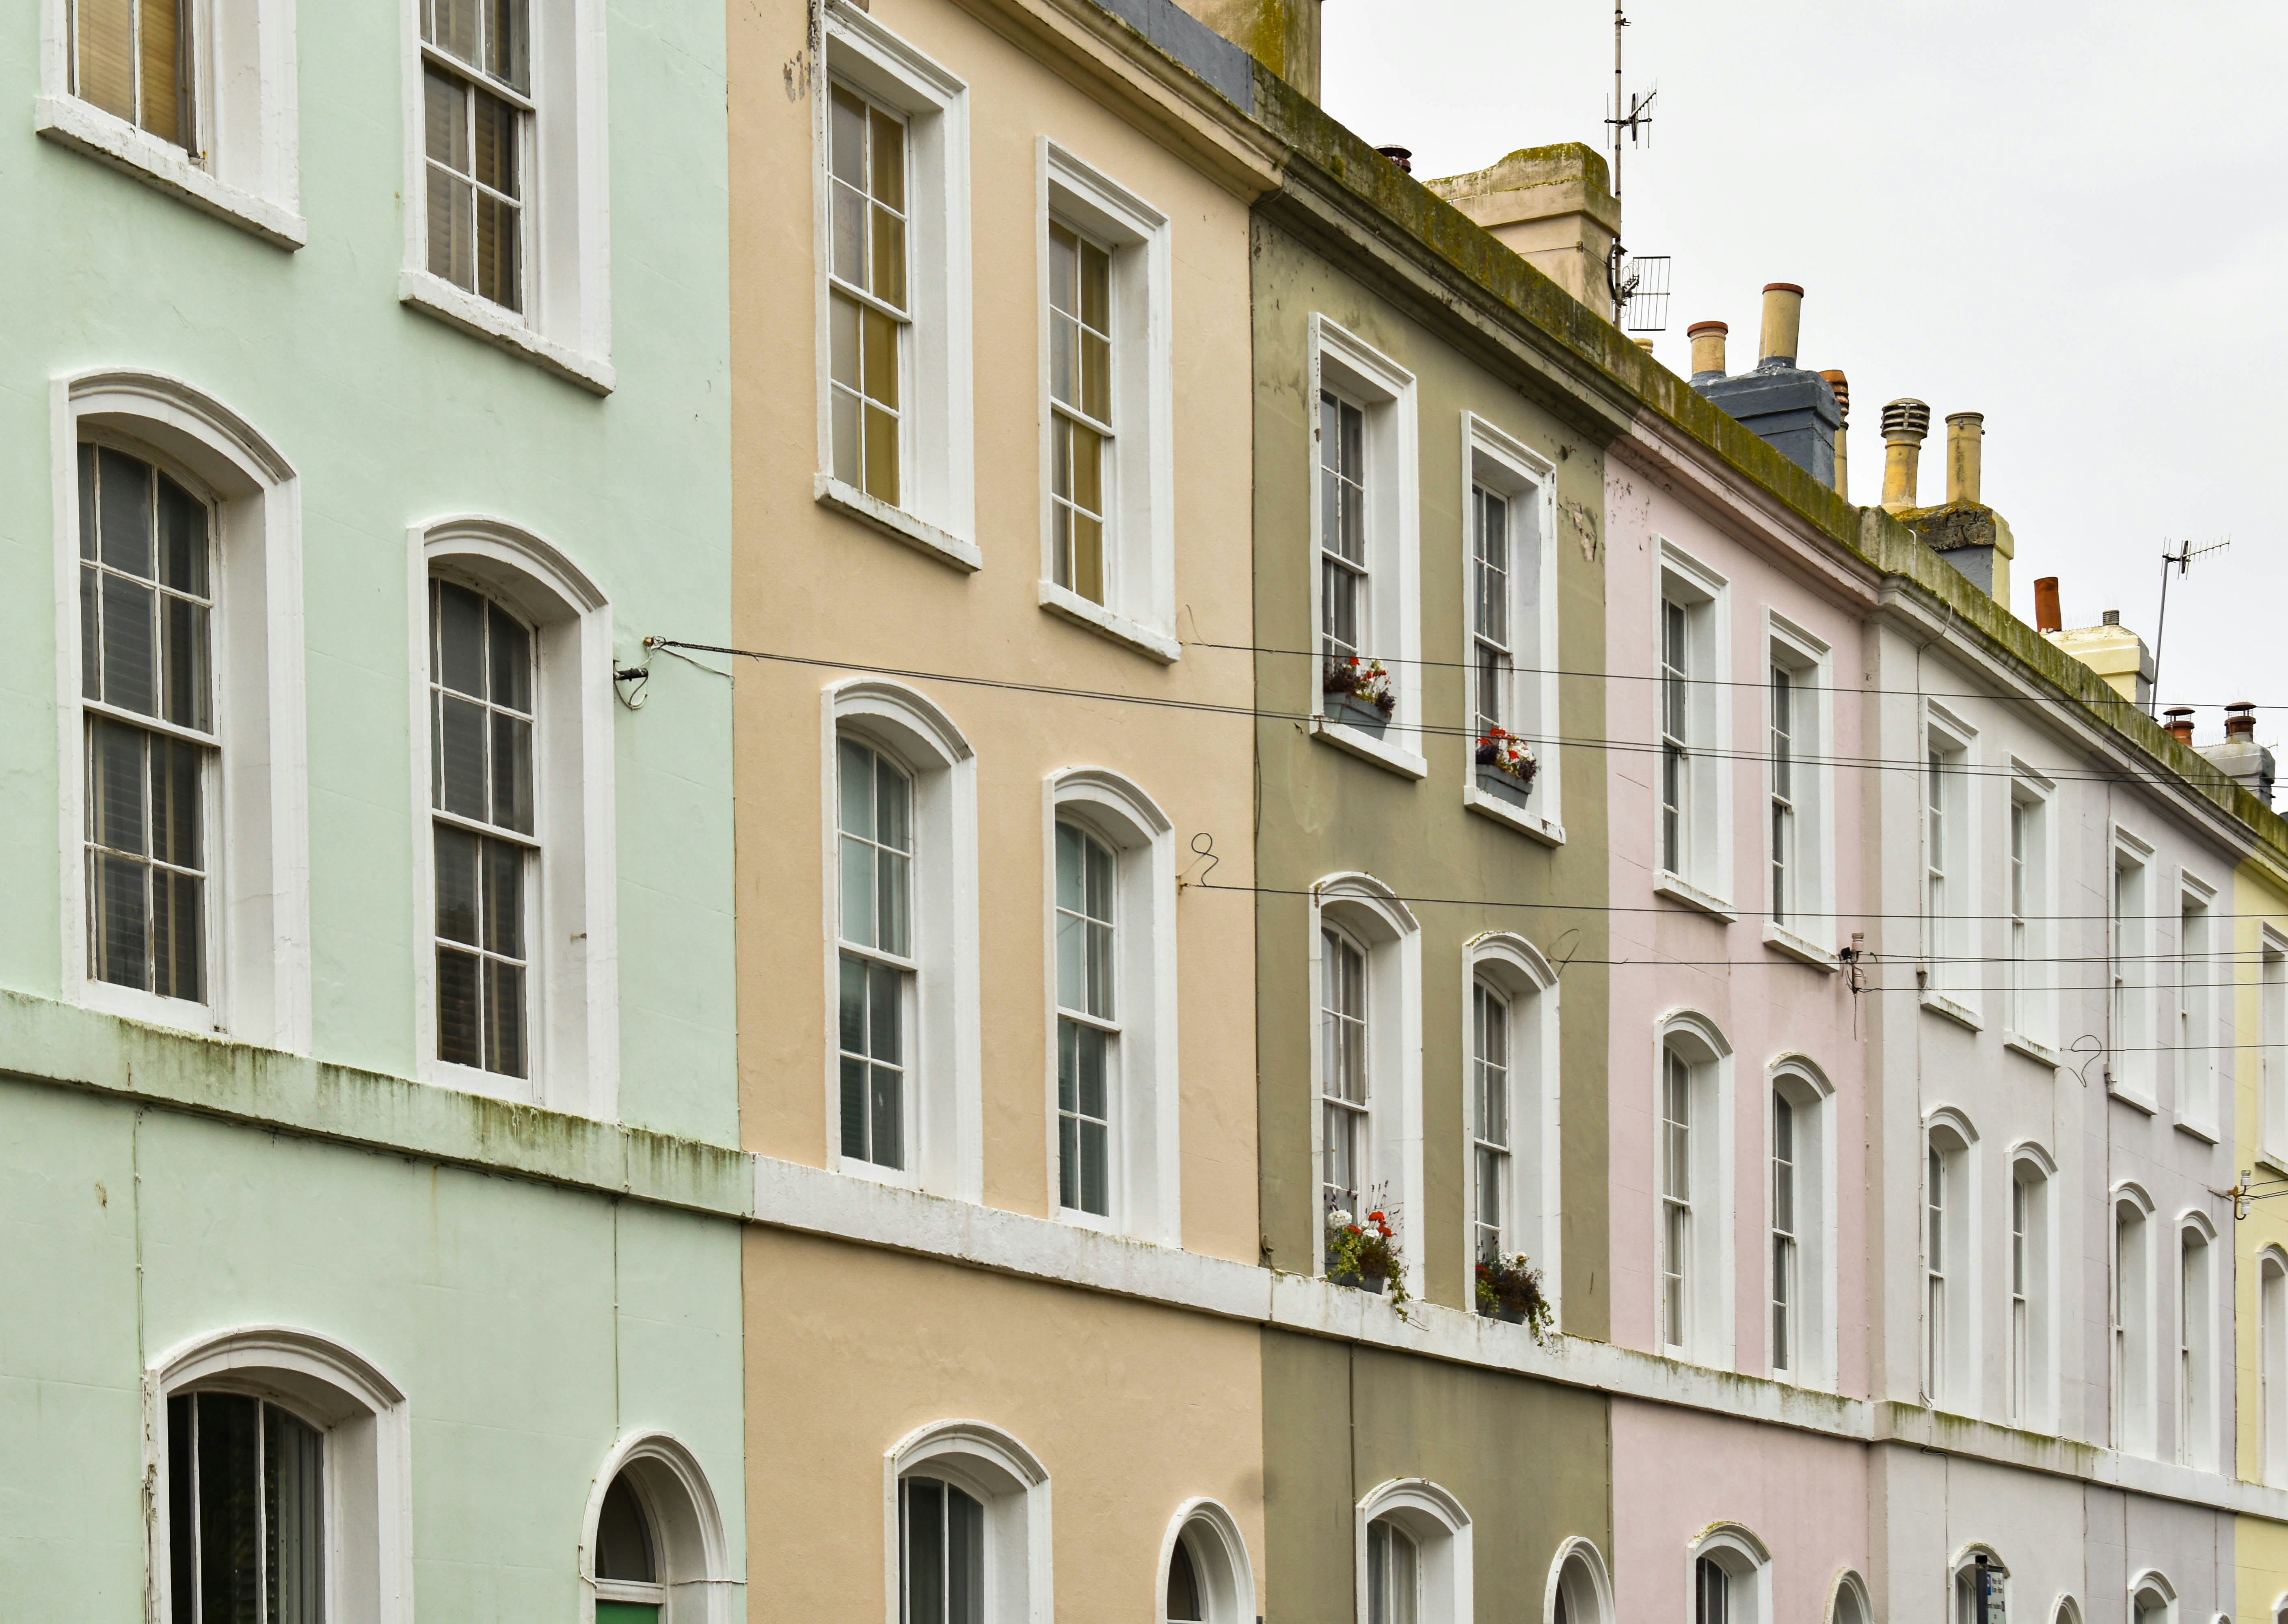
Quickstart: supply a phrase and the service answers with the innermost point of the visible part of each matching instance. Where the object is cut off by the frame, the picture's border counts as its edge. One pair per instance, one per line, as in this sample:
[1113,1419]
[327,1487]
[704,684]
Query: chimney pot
[2240,720]
[2180,723]
[2113,617]
[1842,386]
[1905,424]
[1403,156]
[2046,617]
[1964,433]
[1707,349]
[1783,324]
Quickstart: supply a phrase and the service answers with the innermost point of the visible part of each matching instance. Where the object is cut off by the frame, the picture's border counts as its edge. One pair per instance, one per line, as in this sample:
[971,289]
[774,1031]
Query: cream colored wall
[1132,1409]
[2258,896]
[812,582]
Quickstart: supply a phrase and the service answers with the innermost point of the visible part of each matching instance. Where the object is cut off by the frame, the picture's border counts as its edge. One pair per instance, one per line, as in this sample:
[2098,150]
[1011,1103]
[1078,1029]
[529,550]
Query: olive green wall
[1527,1459]
[1320,811]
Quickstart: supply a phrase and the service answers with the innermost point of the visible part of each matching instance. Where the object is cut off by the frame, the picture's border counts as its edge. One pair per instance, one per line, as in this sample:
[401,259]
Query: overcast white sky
[2072,218]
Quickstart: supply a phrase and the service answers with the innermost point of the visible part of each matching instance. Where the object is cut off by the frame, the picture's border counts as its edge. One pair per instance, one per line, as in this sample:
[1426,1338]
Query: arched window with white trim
[2152,1599]
[1111,954]
[904,1094]
[1981,1587]
[2067,1611]
[1731,1577]
[281,1472]
[1580,1586]
[1693,1185]
[179,617]
[1848,1604]
[1366,970]
[1801,1269]
[655,1551]
[1510,1042]
[1205,1576]
[1414,1555]
[967,1522]
[518,972]
[2272,1364]
[2196,1375]
[2032,1320]
[1950,1305]
[2135,1375]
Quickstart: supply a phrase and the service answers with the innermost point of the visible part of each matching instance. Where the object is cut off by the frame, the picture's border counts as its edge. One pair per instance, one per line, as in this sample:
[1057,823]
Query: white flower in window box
[1359,692]
[1506,764]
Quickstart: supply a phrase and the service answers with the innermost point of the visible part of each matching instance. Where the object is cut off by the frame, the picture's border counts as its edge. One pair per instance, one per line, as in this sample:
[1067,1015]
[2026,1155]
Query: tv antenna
[1622,276]
[2185,554]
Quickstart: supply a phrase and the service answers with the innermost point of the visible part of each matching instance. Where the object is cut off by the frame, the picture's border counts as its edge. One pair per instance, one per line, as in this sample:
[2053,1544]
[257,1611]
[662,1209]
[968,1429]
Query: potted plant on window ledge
[1510,1288]
[1505,765]
[1365,1256]
[1359,694]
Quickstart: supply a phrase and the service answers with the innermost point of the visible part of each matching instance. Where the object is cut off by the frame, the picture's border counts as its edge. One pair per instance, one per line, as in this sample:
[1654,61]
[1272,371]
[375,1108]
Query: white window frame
[1009,1482]
[944,1078]
[246,171]
[1746,1561]
[1709,1323]
[694,1561]
[2272,1365]
[572,986]
[1221,1563]
[1807,932]
[2272,1046]
[1950,932]
[2030,1012]
[1812,1097]
[2132,1000]
[1368,910]
[366,1425]
[1146,1173]
[1497,461]
[1951,1364]
[2031,1395]
[1342,362]
[2196,1340]
[1139,533]
[1516,969]
[566,324]
[1580,1576]
[936,514]
[2134,1300]
[258,986]
[1443,1535]
[1704,879]
[2197,1027]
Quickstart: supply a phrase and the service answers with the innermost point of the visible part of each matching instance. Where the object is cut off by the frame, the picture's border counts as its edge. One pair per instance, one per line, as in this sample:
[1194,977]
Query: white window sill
[1676,888]
[2032,1049]
[1081,1218]
[433,295]
[1523,819]
[1961,1014]
[2277,1160]
[1779,937]
[74,124]
[475,1080]
[133,1003]
[1364,744]
[2130,1098]
[896,523]
[1064,602]
[874,1173]
[2205,1132]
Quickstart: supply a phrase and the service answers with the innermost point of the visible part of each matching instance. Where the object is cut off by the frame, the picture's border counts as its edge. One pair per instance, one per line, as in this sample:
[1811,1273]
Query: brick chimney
[1283,34]
[1555,206]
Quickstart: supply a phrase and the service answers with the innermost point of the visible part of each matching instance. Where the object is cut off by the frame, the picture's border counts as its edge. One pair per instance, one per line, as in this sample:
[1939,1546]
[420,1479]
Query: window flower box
[1359,694]
[1505,765]
[1365,1256]
[1509,1289]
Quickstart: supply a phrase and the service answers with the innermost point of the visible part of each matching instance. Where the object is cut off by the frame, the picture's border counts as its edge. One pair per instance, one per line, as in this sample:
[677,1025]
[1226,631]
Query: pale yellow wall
[1132,1409]
[812,583]
[2261,1550]
[2259,895]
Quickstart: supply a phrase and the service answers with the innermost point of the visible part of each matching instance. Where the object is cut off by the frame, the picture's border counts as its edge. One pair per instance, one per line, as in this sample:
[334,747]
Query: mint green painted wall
[390,417]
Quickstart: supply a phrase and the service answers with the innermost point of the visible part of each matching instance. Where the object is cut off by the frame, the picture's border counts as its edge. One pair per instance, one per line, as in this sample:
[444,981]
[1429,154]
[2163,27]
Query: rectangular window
[868,307]
[1784,832]
[1081,397]
[1343,1088]
[136,60]
[875,847]
[2196,1429]
[1786,1294]
[1343,578]
[2021,1313]
[1393,1573]
[1489,1030]
[1934,855]
[1935,1304]
[1952,972]
[1491,649]
[476,108]
[480,695]
[941,1553]
[2132,1332]
[2196,969]
[1675,1198]
[2131,1067]
[2014,979]
[1087,1037]
[145,676]
[1675,729]
[2272,1059]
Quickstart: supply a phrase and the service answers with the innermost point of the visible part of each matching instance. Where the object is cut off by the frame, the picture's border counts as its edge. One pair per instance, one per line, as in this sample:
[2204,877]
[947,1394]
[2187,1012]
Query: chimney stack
[2046,617]
[1905,426]
[1283,34]
[1841,385]
[1707,349]
[1554,206]
[2240,720]
[2179,723]
[1783,322]
[2240,758]
[1964,432]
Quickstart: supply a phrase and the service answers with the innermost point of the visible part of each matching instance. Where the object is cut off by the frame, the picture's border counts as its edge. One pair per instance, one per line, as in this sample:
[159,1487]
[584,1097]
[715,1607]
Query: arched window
[1949,1264]
[904,1065]
[2131,1316]
[282,1474]
[2030,1325]
[970,1523]
[1580,1587]
[654,1550]
[1731,1573]
[1848,1604]
[628,1584]
[2272,1363]
[2197,1421]
[1510,1033]
[2152,1600]
[1414,1555]
[1205,1577]
[1981,1588]
[1366,966]
[1801,1327]
[2068,1612]
[1693,1180]
[520,988]
[179,656]
[1112,972]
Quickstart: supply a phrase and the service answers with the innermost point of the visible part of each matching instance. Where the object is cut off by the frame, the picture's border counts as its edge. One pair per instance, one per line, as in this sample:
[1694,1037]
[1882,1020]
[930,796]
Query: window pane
[115,799]
[923,1501]
[1089,1091]
[456,1008]
[888,1107]
[859,917]
[90,636]
[965,1565]
[504,898]
[885,1010]
[107,63]
[892,807]
[498,251]
[1095,1162]
[294,1513]
[1096,375]
[166,106]
[460,655]
[460,757]
[842,320]
[229,1516]
[86,501]
[505,50]
[494,152]
[881,454]
[896,906]
[182,539]
[879,360]
[456,885]
[889,265]
[853,1098]
[848,139]
[119,948]
[176,770]
[124,499]
[445,129]
[453,27]
[129,662]
[182,1509]
[848,231]
[624,1545]
[504,1018]
[511,772]
[183,654]
[509,646]
[889,155]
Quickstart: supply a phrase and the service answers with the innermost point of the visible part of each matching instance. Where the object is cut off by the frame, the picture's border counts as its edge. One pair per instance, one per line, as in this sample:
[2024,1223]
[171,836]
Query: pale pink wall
[1675,1471]
[1766,1004]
